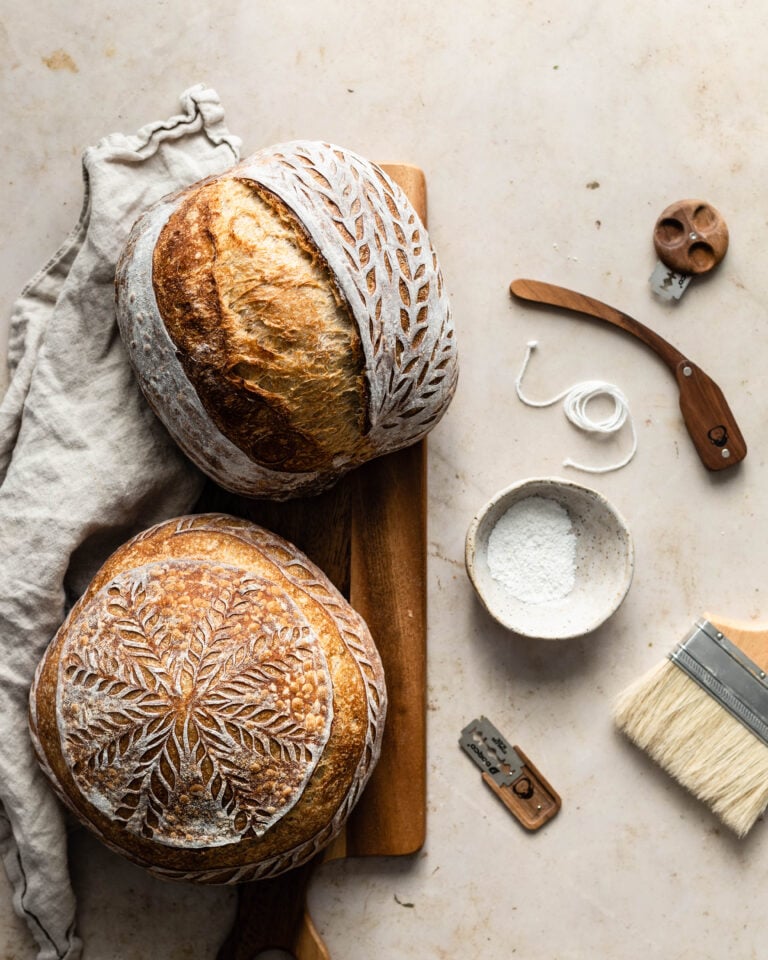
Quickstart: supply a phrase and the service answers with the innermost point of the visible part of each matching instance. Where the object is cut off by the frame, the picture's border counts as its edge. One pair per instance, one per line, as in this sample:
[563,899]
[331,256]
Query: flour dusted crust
[287,320]
[212,707]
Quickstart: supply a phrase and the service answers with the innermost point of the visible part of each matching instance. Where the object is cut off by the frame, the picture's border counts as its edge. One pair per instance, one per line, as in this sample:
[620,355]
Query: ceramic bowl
[556,566]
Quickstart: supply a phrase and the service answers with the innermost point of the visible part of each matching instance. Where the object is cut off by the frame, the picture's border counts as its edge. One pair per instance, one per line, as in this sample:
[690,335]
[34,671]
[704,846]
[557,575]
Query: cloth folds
[84,464]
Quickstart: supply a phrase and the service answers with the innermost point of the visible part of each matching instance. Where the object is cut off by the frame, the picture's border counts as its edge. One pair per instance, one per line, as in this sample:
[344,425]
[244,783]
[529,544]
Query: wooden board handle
[271,915]
[706,414]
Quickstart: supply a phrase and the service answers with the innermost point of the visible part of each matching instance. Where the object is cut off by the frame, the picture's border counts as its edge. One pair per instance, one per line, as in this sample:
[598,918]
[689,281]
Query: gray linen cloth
[84,464]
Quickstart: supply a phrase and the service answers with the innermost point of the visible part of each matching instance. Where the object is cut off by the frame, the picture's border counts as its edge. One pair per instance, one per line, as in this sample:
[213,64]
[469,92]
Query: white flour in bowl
[532,550]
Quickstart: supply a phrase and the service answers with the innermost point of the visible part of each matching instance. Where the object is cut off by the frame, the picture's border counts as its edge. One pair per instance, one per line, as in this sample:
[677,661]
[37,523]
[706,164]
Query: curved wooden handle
[554,296]
[707,416]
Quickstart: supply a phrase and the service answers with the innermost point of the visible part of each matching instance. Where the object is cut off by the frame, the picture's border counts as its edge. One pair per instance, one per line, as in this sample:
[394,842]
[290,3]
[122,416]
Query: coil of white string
[576,399]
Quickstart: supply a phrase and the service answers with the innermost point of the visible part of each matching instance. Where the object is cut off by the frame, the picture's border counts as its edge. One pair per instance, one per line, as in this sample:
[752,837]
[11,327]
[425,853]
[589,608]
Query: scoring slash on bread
[212,707]
[288,320]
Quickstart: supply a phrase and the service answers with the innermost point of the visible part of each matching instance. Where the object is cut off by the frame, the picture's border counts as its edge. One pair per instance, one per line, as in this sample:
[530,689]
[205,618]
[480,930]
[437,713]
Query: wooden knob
[690,236]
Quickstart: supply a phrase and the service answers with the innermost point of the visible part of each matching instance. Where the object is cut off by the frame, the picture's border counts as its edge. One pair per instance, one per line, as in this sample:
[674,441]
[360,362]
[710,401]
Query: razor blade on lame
[510,774]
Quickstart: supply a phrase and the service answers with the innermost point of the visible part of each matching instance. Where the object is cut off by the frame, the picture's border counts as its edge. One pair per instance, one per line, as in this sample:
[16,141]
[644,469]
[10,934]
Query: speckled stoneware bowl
[561,527]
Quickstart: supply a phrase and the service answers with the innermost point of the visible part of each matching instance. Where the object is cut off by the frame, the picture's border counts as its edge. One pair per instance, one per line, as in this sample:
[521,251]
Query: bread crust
[354,355]
[212,707]
[260,330]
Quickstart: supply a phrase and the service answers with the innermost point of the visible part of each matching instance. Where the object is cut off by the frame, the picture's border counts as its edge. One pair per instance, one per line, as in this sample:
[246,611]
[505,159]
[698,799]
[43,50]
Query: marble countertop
[552,134]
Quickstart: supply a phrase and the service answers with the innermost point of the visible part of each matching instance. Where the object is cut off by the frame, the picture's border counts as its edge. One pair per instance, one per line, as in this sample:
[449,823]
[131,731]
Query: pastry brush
[702,715]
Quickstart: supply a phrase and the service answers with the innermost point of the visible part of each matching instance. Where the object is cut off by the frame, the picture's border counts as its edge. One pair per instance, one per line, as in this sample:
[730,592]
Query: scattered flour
[532,551]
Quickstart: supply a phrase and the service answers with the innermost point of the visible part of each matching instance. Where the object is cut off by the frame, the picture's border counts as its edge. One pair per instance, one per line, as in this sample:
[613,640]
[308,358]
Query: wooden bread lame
[368,534]
[531,799]
[707,416]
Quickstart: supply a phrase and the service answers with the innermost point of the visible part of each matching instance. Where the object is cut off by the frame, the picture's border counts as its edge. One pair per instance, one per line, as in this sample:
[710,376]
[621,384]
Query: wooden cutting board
[369,536]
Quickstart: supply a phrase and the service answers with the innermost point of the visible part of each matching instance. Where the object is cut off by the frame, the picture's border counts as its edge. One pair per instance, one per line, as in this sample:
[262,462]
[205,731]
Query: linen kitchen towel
[84,465]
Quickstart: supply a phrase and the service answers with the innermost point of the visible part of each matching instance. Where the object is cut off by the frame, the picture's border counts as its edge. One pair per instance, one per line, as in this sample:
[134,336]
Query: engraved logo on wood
[195,719]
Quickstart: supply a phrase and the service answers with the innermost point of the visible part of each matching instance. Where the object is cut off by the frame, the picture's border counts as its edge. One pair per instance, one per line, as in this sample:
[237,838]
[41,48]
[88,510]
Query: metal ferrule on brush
[727,674]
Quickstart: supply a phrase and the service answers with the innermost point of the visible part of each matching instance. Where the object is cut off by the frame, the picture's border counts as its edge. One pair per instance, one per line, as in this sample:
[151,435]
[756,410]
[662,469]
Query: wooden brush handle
[707,416]
[750,638]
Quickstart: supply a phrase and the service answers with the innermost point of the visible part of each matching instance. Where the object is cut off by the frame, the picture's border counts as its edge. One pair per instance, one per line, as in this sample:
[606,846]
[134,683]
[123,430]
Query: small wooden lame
[707,416]
[531,799]
[508,772]
[690,238]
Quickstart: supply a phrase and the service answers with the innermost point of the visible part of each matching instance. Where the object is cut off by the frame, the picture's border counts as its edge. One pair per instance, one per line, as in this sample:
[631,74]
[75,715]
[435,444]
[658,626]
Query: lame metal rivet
[725,453]
[687,371]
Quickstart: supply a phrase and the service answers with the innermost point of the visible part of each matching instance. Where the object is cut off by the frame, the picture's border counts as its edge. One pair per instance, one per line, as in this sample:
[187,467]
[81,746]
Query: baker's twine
[576,399]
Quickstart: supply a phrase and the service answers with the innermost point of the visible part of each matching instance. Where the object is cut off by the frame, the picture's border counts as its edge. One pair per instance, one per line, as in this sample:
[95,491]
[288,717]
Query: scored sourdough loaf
[212,707]
[287,320]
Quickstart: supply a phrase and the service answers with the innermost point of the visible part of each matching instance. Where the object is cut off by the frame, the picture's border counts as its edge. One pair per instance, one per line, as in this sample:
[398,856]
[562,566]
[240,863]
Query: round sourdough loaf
[212,707]
[287,320]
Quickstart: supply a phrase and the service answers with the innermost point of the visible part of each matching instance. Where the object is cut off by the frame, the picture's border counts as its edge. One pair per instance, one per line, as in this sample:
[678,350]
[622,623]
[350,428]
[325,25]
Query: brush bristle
[705,748]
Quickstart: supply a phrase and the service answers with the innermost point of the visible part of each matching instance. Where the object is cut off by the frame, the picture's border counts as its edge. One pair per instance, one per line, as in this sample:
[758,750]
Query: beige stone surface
[552,134]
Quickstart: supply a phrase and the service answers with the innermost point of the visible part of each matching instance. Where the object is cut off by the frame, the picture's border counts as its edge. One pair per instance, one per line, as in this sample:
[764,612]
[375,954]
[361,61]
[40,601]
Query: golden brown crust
[212,706]
[292,326]
[260,327]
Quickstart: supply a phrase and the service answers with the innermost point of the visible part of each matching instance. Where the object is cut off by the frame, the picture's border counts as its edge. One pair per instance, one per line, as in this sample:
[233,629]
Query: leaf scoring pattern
[198,722]
[388,271]
[103,659]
